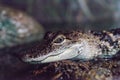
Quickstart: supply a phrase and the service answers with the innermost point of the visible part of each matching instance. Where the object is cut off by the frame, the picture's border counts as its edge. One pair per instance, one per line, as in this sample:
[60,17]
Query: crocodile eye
[59,39]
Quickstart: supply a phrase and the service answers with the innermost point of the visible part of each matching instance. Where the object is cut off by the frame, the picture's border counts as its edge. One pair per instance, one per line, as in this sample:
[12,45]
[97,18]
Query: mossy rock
[17,27]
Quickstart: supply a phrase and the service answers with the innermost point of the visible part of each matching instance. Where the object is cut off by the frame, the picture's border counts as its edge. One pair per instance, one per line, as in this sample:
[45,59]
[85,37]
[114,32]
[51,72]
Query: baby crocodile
[75,45]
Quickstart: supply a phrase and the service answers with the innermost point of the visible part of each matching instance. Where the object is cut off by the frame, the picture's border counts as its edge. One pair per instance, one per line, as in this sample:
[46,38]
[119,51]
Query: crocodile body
[76,45]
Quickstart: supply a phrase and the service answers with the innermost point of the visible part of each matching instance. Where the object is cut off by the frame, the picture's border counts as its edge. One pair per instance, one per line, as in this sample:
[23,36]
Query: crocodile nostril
[25,57]
[28,56]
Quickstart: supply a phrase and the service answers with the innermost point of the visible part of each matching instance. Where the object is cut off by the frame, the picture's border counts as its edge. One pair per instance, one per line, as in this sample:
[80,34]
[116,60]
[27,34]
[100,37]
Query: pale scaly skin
[74,45]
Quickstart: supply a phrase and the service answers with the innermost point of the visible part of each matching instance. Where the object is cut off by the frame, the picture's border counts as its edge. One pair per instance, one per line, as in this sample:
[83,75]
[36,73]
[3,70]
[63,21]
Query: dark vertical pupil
[59,40]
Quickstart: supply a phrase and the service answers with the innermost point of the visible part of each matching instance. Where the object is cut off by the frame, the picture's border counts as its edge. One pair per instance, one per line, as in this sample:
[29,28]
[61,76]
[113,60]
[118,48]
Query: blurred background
[70,14]
[54,15]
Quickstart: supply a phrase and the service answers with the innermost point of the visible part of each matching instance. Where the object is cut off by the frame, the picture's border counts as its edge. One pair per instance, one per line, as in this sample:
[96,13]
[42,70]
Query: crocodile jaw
[65,53]
[83,51]
[68,54]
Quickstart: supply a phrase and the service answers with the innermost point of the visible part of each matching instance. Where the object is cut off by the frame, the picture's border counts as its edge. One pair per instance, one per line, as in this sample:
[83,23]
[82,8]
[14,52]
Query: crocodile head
[64,45]
[56,46]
